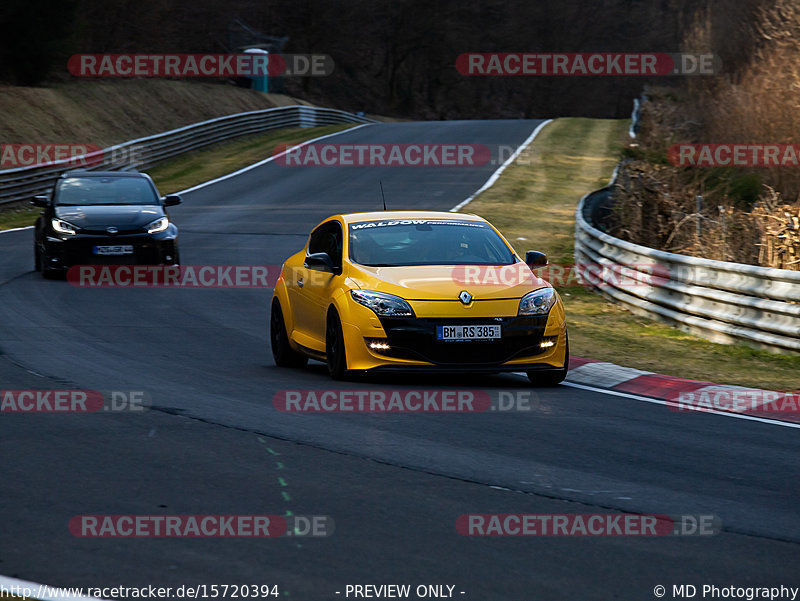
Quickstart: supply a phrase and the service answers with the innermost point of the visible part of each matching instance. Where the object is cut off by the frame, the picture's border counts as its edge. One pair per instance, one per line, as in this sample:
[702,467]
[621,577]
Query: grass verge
[533,204]
[200,166]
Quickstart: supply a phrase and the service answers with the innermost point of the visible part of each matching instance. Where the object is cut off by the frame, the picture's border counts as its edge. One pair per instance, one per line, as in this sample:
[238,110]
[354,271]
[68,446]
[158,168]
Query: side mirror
[171,200]
[41,200]
[321,262]
[535,259]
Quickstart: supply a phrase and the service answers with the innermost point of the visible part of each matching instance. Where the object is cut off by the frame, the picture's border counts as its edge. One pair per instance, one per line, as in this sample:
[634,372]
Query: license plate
[466,332]
[124,249]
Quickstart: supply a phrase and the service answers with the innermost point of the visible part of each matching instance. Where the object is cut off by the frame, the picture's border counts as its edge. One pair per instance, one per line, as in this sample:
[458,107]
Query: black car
[104,217]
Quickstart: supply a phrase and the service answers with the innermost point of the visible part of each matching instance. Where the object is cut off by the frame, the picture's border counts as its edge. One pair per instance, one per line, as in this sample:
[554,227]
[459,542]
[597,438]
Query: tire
[41,265]
[52,274]
[334,347]
[37,258]
[282,352]
[551,377]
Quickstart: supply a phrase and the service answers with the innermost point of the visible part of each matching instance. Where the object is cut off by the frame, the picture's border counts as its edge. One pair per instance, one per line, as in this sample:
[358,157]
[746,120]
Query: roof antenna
[382,195]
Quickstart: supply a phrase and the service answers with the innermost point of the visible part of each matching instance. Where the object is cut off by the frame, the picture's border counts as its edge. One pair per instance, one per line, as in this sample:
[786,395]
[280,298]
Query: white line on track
[16,229]
[636,397]
[272,158]
[493,178]
[645,399]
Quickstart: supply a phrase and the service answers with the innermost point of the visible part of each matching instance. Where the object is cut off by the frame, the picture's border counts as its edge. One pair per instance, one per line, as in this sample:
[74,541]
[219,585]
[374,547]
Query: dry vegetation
[106,112]
[748,215]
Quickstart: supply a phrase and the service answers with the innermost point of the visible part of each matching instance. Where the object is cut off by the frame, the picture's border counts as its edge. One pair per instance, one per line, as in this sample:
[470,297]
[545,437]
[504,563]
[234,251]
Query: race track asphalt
[394,484]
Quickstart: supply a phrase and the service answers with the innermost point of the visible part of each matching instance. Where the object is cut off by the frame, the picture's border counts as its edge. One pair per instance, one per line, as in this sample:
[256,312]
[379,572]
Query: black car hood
[98,217]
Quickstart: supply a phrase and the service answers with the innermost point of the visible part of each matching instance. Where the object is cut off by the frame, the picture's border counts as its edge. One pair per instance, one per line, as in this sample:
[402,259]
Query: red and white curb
[686,395]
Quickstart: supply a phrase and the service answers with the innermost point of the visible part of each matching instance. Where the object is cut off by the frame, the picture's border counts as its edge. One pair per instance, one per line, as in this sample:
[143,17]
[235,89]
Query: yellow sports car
[417,291]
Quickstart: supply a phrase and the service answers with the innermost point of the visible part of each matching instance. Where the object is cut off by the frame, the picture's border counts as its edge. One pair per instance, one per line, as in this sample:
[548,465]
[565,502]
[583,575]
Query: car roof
[384,215]
[84,173]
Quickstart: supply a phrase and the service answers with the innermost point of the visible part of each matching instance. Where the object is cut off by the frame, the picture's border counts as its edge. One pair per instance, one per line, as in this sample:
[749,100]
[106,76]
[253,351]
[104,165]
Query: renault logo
[112,230]
[465,297]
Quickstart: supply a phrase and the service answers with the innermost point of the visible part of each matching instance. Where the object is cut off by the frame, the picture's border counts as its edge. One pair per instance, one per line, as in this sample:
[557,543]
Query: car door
[314,287]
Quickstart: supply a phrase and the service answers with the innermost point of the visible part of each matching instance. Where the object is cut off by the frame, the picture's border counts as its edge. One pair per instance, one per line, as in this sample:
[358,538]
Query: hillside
[109,112]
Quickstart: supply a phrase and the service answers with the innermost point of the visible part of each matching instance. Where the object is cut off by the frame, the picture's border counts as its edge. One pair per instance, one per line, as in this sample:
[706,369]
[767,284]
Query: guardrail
[24,182]
[717,300]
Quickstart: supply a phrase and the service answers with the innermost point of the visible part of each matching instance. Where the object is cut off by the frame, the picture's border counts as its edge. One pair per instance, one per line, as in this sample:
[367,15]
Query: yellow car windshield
[394,243]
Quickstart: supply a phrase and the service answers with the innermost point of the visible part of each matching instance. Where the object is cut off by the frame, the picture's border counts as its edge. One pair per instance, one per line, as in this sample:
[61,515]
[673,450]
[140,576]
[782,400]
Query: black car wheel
[282,352]
[42,264]
[550,377]
[334,347]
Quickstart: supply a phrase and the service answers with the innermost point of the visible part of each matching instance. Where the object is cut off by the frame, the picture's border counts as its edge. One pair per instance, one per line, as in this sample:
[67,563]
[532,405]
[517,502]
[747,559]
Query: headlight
[159,225]
[62,227]
[538,302]
[384,305]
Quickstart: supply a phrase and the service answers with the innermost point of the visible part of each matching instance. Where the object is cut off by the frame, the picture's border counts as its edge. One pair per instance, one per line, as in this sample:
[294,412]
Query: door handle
[299,282]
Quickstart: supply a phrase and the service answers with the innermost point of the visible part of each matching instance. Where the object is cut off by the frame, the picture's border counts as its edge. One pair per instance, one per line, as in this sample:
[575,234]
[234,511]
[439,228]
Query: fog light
[377,345]
[547,343]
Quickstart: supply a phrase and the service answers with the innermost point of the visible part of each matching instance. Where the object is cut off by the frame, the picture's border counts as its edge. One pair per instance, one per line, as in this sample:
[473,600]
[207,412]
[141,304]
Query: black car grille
[103,231]
[415,338]
[80,251]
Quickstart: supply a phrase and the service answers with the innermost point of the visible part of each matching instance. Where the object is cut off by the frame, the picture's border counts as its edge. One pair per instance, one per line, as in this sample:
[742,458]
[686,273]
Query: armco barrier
[717,300]
[24,182]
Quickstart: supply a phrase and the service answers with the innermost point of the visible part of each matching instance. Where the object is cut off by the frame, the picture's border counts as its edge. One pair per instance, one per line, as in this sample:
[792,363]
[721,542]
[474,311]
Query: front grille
[79,251]
[415,338]
[101,231]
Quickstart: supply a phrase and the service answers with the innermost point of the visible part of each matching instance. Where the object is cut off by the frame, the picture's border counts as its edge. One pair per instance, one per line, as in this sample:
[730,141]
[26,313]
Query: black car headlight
[63,227]
[384,305]
[538,302]
[159,225]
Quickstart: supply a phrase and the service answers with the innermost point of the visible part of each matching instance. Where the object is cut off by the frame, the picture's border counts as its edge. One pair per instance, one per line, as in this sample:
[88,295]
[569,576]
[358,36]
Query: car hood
[124,217]
[445,282]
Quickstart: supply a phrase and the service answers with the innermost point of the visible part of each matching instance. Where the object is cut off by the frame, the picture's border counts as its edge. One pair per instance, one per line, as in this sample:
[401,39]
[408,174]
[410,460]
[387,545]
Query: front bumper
[148,249]
[412,346]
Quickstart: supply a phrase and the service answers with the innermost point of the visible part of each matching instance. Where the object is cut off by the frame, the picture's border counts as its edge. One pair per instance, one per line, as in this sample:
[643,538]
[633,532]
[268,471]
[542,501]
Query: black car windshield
[392,243]
[79,191]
